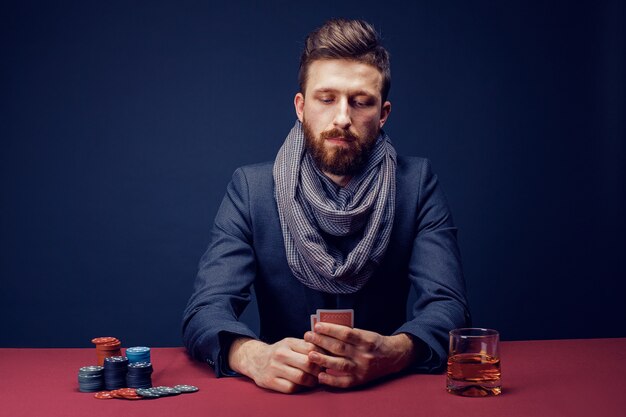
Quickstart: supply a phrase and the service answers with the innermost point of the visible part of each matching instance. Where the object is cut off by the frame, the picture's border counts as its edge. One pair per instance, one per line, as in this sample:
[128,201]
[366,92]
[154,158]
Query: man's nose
[342,117]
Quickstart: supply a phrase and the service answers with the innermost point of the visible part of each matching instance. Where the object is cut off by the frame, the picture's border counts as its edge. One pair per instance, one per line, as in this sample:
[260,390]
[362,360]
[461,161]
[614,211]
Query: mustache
[340,133]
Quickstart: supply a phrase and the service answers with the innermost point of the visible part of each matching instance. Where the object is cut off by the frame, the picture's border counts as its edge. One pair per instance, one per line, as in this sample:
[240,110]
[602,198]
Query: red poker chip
[103,395]
[121,393]
[126,390]
[103,340]
[129,396]
[108,346]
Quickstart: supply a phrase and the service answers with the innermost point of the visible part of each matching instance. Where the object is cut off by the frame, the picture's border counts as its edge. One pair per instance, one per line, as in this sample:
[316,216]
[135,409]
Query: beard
[339,160]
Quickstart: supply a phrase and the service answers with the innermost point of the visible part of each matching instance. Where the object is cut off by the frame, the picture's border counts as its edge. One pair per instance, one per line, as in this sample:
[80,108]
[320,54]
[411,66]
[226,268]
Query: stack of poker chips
[138,354]
[90,379]
[141,393]
[115,370]
[106,347]
[139,375]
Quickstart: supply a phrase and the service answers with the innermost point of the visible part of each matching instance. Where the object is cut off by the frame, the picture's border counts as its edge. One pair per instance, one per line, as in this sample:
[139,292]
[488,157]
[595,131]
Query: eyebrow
[352,93]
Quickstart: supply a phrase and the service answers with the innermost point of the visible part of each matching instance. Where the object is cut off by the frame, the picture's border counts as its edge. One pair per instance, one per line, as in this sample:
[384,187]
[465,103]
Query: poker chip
[148,393]
[185,389]
[166,391]
[103,340]
[90,379]
[122,393]
[124,377]
[138,354]
[139,375]
[104,395]
[145,393]
[115,370]
[106,346]
[127,394]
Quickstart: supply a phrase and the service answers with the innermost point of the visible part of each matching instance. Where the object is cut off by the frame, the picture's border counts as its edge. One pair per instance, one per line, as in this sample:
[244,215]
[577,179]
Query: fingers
[281,385]
[338,364]
[340,372]
[350,356]
[300,370]
[366,340]
[338,340]
[297,376]
[300,359]
[301,346]
[283,366]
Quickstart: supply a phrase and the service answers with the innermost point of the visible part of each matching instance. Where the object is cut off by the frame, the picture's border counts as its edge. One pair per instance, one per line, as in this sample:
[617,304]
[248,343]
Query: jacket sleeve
[222,287]
[436,274]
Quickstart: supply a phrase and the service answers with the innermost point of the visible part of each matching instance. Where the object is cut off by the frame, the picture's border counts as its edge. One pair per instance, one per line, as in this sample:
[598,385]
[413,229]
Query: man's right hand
[283,366]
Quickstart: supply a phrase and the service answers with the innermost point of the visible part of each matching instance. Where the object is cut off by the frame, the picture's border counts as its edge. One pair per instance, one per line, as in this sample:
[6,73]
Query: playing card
[343,317]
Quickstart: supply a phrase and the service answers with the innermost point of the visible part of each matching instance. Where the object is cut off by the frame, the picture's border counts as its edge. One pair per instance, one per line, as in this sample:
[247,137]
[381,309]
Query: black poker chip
[139,375]
[115,370]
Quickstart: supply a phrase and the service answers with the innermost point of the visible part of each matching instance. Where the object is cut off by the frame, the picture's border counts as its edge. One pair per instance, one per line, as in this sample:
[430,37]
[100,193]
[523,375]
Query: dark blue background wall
[121,123]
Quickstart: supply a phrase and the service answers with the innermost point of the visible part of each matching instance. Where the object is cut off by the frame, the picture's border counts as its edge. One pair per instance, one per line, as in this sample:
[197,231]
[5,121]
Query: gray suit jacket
[246,248]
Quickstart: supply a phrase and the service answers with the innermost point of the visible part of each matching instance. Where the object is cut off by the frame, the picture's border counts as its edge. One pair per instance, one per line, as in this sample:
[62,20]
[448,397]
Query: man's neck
[340,180]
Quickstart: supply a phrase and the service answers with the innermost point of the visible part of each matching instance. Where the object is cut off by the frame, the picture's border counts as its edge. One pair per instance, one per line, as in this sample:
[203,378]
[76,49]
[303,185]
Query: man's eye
[362,103]
[326,100]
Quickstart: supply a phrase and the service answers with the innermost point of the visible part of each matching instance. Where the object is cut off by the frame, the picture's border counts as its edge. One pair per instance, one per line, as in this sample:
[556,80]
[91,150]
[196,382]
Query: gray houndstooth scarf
[309,203]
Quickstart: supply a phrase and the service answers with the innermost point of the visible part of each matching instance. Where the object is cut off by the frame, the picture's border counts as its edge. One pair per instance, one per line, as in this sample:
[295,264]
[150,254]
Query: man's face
[342,112]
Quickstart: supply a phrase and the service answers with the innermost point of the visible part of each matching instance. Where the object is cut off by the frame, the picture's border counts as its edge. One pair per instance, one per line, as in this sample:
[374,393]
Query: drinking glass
[474,363]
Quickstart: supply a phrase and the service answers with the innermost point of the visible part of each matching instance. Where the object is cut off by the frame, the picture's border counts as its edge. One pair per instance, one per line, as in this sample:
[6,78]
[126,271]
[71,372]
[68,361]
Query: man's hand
[357,356]
[284,366]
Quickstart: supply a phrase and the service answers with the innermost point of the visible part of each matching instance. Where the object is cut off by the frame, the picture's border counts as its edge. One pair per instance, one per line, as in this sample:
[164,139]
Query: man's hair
[356,40]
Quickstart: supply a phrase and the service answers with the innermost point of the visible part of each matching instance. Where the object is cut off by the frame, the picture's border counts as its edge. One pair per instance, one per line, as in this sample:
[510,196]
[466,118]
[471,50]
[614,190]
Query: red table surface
[540,378]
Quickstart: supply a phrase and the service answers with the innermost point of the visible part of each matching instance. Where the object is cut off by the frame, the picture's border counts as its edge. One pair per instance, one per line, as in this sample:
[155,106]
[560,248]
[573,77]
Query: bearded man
[337,221]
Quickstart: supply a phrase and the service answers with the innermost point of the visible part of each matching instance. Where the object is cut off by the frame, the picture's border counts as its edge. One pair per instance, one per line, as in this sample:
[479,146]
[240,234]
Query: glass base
[473,390]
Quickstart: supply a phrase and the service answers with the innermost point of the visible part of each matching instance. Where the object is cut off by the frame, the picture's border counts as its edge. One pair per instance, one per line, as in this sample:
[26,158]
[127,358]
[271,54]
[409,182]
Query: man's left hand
[357,356]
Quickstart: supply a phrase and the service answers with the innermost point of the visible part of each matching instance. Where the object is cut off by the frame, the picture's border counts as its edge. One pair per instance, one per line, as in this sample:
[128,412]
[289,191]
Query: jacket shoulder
[412,168]
[258,168]
[256,176]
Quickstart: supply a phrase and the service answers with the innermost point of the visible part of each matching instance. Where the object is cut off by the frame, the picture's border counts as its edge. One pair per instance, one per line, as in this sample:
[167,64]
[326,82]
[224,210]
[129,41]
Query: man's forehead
[344,75]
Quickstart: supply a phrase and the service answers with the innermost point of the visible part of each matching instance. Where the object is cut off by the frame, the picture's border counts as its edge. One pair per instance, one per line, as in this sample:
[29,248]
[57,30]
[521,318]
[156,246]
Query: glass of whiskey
[474,363]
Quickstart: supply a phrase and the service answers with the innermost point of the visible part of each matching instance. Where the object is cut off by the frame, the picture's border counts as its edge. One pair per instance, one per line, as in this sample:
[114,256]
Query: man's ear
[298,103]
[384,113]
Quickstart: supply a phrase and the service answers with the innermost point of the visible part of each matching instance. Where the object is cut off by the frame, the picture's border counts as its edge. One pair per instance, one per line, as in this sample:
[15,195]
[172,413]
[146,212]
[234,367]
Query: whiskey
[474,375]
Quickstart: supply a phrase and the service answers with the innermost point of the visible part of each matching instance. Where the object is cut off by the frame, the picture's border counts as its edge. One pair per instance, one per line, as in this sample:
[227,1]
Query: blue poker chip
[138,349]
[138,354]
